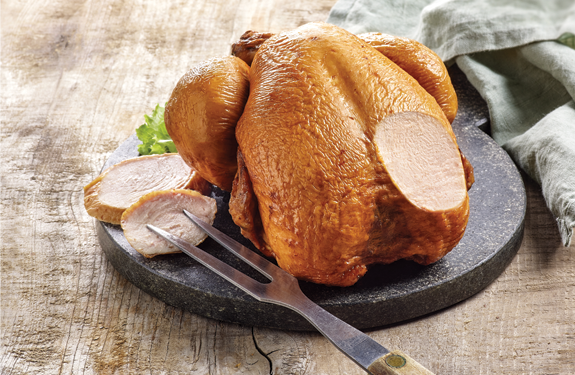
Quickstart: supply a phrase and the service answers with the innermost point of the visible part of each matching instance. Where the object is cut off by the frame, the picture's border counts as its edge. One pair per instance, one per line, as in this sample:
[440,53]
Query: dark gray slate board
[388,293]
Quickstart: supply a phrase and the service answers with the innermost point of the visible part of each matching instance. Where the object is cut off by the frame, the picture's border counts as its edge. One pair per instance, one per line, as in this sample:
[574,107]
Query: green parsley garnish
[154,136]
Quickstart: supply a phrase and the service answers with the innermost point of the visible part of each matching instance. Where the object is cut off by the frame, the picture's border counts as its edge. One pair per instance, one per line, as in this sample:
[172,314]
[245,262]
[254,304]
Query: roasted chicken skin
[245,209]
[415,58]
[248,45]
[202,113]
[344,159]
[328,204]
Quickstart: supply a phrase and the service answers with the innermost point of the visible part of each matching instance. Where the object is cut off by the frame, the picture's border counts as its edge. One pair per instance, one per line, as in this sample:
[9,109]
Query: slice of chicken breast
[121,185]
[164,209]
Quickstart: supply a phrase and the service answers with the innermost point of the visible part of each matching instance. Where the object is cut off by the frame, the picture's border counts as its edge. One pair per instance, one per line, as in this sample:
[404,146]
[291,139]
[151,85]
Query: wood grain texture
[77,77]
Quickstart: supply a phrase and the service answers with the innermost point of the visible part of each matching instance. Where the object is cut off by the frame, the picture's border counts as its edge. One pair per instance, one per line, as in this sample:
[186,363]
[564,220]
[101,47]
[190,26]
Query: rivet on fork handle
[397,363]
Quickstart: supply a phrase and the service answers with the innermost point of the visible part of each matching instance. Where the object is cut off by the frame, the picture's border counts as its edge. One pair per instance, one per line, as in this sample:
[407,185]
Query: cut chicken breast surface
[164,209]
[123,184]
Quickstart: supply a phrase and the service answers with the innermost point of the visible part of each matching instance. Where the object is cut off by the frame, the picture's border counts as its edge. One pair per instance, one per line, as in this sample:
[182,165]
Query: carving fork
[284,290]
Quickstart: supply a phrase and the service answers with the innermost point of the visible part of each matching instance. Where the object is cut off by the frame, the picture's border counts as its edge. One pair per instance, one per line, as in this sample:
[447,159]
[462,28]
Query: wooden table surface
[77,77]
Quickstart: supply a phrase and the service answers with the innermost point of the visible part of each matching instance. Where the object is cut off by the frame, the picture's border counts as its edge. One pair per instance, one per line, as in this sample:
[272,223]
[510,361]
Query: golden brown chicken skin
[328,203]
[344,158]
[421,63]
[202,113]
[248,45]
[415,58]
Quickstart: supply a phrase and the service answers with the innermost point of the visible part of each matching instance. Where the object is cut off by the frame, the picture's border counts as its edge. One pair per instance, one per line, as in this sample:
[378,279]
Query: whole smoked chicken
[343,158]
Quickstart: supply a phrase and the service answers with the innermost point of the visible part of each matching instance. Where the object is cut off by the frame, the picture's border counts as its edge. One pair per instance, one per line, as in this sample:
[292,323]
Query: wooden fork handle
[397,363]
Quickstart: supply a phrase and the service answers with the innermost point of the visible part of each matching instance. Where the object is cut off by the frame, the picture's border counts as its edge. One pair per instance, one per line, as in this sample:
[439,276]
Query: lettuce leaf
[153,134]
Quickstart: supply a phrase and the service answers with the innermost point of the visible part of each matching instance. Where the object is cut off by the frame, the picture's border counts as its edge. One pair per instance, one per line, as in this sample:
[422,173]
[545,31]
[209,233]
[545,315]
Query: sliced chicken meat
[164,209]
[423,204]
[123,184]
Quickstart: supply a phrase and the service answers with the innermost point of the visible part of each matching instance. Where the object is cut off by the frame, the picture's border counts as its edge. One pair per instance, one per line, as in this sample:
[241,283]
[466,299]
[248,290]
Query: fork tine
[244,282]
[258,262]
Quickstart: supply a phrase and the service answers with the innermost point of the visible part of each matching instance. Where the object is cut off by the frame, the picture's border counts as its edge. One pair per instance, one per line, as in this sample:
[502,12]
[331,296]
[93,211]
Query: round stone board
[387,293]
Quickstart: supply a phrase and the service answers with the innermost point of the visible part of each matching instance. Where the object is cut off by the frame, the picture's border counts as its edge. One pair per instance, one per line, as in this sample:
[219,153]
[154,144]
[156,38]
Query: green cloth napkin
[519,55]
